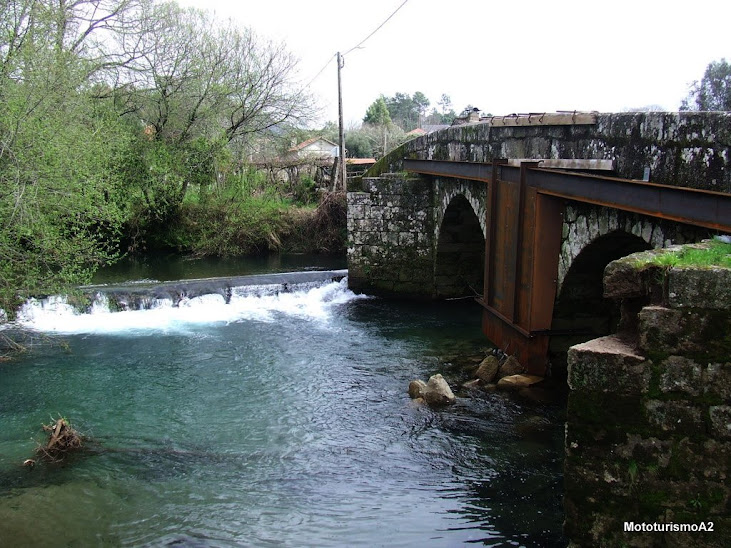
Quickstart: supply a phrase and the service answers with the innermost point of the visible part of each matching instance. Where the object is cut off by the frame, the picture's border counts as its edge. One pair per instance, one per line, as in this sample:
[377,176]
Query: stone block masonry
[648,434]
[691,149]
[390,243]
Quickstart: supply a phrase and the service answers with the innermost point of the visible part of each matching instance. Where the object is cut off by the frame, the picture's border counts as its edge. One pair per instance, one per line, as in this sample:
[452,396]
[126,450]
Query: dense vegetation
[128,125]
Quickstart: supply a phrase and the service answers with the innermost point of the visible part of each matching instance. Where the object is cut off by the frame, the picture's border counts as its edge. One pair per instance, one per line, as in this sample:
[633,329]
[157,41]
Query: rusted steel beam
[547,250]
[477,171]
[490,242]
[525,253]
[460,170]
[704,208]
[524,220]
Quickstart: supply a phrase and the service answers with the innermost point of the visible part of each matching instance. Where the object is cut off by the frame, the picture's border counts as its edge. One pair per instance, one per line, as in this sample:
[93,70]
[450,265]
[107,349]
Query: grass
[715,253]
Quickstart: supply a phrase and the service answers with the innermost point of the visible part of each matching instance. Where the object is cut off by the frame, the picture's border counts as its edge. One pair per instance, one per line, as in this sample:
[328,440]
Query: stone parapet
[648,435]
[691,149]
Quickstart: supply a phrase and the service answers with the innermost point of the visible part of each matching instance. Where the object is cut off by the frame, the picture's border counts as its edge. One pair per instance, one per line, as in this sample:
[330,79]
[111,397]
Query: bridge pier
[391,248]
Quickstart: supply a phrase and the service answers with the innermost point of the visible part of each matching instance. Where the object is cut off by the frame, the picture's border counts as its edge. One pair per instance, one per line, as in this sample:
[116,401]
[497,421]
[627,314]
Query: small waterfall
[150,305]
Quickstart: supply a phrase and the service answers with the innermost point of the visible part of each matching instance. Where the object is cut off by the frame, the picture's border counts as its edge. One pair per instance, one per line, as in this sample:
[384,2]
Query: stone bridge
[420,222]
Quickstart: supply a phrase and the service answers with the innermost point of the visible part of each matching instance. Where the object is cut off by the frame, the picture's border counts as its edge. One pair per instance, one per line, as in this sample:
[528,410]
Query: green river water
[279,419]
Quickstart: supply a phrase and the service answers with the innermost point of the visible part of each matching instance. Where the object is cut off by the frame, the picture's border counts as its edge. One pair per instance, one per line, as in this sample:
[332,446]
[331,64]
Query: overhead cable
[377,28]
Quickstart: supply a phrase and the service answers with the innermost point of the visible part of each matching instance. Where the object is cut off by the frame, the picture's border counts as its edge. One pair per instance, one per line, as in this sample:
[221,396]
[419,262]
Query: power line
[377,28]
[316,76]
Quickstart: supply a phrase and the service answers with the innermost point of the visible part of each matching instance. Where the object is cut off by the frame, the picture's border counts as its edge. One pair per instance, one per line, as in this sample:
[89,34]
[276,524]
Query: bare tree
[195,77]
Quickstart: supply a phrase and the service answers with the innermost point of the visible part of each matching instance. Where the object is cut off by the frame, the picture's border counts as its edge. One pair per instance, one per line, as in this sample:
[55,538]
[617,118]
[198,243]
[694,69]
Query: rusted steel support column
[525,252]
[521,263]
[490,220]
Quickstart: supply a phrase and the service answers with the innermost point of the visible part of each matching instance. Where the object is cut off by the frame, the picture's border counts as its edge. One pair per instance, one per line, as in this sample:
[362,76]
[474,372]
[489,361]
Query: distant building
[425,129]
[431,128]
[317,148]
[358,166]
[468,117]
[418,132]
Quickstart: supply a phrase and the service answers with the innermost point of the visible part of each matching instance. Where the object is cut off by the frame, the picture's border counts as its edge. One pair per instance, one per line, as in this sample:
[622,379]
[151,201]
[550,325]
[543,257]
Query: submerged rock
[514,382]
[437,391]
[416,389]
[474,384]
[537,394]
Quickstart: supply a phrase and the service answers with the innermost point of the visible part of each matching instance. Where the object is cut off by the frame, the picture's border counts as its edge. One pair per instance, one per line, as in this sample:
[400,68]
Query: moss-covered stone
[664,454]
[608,364]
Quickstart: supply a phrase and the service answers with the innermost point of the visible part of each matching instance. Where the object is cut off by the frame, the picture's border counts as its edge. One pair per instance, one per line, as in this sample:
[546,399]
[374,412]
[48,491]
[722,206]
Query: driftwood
[62,440]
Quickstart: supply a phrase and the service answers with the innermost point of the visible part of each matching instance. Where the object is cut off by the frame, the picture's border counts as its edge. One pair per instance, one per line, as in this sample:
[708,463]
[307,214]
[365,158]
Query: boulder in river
[488,369]
[514,382]
[437,391]
[474,384]
[416,389]
[511,366]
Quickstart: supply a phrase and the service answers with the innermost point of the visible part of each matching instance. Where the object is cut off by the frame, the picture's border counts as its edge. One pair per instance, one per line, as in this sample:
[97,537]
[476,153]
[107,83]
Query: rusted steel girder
[524,221]
[692,206]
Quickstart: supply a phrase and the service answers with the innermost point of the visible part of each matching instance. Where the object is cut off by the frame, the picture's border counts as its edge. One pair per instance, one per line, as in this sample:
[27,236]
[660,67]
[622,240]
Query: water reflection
[177,267]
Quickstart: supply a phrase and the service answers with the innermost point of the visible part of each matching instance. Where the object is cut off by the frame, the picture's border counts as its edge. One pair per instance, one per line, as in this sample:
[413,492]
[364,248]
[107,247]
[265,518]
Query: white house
[315,148]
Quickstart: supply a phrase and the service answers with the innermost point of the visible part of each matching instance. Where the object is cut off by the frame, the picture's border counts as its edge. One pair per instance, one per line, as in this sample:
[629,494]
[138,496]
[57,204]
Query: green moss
[114,305]
[712,253]
[716,332]
[632,470]
[678,467]
[656,373]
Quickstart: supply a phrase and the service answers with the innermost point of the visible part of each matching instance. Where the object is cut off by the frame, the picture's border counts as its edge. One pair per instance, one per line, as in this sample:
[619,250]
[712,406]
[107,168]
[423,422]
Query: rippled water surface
[285,424]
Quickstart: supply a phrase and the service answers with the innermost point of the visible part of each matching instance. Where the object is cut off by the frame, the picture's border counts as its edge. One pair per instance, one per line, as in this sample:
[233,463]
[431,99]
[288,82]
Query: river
[278,419]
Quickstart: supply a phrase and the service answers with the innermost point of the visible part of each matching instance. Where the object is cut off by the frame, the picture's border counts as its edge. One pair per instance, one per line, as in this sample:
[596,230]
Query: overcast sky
[503,57]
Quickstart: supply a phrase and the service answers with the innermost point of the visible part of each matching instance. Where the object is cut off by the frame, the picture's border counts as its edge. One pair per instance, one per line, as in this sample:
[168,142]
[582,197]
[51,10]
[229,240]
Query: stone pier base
[648,435]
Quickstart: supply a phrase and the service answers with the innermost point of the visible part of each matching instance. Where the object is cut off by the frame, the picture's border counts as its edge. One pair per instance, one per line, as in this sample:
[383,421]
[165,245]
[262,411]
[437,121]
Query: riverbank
[231,226]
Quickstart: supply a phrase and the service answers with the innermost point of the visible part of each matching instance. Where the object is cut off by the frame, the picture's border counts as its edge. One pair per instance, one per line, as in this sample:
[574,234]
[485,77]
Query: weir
[134,295]
[275,419]
[155,305]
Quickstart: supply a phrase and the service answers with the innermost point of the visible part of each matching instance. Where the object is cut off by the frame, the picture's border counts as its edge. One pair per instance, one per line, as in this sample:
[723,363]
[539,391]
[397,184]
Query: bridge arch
[580,311]
[460,249]
[583,224]
[474,192]
[593,237]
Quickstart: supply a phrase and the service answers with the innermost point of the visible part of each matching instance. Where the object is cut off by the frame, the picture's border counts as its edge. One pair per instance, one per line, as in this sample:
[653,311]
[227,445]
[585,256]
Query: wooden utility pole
[341,173]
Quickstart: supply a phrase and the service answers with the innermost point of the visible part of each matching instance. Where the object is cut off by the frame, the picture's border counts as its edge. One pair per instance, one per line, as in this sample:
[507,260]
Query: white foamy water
[249,303]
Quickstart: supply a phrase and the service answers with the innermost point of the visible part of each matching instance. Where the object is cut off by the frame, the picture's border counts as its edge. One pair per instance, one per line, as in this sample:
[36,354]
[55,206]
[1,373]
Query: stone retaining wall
[648,436]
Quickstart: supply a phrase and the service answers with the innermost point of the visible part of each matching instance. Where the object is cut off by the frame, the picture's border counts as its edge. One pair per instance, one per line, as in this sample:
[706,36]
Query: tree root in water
[63,439]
